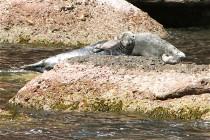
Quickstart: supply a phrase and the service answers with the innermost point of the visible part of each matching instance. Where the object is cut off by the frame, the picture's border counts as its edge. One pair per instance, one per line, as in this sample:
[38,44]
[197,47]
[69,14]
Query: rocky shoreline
[122,84]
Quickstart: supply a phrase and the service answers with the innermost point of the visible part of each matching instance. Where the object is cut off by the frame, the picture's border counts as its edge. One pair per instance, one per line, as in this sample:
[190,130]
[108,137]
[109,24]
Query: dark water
[195,42]
[13,56]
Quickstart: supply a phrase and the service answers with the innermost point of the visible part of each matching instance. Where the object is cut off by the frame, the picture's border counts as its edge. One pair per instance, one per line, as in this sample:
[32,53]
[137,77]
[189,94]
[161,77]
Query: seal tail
[39,67]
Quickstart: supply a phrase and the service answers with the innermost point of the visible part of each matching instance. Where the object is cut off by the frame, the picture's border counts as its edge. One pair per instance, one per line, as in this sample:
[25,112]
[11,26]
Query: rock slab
[122,83]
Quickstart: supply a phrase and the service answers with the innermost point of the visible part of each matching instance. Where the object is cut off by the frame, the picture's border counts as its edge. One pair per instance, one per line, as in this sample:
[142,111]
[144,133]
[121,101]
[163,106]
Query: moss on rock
[182,113]
[103,105]
[62,106]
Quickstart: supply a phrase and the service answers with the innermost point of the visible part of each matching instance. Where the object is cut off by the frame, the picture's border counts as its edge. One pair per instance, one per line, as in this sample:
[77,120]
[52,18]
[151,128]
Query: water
[13,56]
[195,42]
[102,126]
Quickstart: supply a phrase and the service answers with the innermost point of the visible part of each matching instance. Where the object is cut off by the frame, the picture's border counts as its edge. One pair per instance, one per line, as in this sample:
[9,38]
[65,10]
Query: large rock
[129,84]
[71,22]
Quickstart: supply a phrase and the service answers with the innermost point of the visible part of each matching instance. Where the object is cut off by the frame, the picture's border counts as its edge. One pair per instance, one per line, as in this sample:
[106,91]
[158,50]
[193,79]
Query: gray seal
[151,45]
[122,46]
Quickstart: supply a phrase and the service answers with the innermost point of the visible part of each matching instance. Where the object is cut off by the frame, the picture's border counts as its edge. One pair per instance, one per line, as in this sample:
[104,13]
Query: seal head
[127,40]
[174,56]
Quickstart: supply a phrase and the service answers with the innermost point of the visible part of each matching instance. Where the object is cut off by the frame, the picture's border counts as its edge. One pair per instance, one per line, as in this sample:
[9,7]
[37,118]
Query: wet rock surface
[71,22]
[122,83]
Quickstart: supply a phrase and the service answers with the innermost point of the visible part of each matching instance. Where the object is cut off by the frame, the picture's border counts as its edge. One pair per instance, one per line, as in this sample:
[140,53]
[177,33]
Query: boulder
[122,84]
[71,22]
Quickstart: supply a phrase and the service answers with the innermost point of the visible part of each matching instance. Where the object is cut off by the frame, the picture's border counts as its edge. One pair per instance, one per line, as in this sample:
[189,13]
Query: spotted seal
[122,46]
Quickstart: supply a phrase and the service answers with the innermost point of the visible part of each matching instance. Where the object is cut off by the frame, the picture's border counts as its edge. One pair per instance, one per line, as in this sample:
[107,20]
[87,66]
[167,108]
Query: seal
[128,43]
[122,46]
[151,45]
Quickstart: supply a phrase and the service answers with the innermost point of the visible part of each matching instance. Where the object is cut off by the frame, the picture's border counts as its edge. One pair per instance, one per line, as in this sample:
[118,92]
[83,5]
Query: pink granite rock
[71,22]
[131,84]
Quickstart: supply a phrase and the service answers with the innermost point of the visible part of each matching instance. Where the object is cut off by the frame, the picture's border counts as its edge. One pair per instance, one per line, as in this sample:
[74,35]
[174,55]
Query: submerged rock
[71,22]
[130,84]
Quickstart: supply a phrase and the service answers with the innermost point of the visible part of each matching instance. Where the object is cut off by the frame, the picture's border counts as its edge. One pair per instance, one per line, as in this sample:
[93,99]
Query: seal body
[123,46]
[151,45]
[143,44]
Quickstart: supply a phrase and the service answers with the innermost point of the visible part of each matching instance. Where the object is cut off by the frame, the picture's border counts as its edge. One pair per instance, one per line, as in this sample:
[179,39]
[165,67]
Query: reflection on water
[48,125]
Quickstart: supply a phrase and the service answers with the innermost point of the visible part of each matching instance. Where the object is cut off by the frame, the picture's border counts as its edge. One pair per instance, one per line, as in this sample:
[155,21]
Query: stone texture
[71,22]
[130,84]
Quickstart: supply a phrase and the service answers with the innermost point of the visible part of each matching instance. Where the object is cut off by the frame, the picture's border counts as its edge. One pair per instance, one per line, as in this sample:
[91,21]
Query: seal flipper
[106,46]
[39,67]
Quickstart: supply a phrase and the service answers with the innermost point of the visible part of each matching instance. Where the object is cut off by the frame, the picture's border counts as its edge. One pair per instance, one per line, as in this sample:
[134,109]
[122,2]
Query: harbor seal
[123,46]
[151,45]
[140,44]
